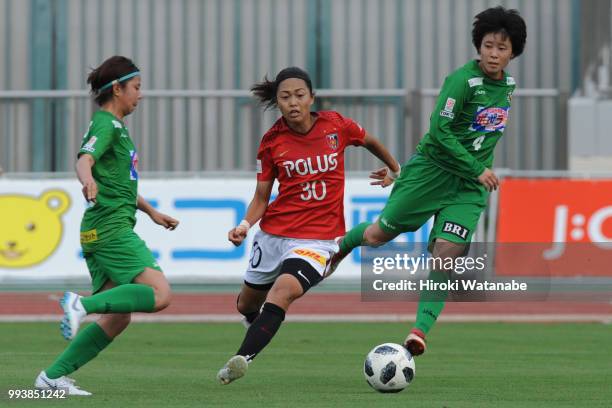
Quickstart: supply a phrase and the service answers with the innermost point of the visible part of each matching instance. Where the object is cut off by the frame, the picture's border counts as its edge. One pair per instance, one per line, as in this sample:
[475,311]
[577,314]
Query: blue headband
[116,81]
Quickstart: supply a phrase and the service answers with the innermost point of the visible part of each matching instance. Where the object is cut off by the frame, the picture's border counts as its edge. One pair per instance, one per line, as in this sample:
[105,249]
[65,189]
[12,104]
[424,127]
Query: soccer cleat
[336,258]
[415,342]
[43,382]
[235,368]
[74,313]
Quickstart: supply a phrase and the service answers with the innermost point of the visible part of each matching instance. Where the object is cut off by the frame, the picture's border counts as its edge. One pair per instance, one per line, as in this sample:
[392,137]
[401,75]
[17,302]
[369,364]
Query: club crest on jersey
[133,165]
[332,140]
[490,119]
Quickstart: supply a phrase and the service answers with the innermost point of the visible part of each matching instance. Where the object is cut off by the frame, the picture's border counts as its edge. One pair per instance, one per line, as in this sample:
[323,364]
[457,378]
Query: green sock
[83,348]
[431,303]
[353,238]
[128,298]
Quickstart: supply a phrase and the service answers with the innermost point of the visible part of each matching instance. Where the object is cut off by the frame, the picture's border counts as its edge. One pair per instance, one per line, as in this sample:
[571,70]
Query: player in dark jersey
[304,151]
[450,176]
[125,276]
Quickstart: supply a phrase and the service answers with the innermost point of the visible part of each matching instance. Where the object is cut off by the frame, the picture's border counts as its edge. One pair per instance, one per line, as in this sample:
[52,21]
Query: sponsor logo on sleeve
[117,124]
[387,224]
[133,165]
[258,166]
[89,236]
[510,81]
[450,104]
[89,146]
[447,112]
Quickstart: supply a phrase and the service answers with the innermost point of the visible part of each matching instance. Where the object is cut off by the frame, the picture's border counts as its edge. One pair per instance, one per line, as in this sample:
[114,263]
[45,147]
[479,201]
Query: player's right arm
[99,138]
[255,211]
[489,180]
[266,174]
[83,171]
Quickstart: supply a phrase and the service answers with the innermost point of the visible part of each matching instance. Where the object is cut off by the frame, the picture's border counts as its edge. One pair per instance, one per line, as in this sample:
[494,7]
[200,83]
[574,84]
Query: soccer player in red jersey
[304,151]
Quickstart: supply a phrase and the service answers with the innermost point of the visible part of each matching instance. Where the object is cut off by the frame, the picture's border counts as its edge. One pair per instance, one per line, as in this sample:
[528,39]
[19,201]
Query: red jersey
[310,171]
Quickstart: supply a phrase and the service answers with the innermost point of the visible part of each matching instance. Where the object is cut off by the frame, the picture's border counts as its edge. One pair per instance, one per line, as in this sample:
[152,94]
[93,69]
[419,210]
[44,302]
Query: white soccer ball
[389,367]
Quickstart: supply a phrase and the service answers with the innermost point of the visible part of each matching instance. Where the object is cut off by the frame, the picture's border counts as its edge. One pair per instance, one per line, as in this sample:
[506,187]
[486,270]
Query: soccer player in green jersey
[125,276]
[450,175]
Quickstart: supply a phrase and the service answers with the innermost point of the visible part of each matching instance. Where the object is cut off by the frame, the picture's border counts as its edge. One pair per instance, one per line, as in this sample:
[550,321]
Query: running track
[208,307]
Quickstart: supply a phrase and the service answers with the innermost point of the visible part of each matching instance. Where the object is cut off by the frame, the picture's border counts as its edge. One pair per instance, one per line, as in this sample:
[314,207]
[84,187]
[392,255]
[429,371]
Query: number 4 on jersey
[478,142]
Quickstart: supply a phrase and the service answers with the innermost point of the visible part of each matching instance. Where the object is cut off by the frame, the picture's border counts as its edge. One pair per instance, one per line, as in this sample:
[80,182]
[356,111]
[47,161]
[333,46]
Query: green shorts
[120,259]
[424,190]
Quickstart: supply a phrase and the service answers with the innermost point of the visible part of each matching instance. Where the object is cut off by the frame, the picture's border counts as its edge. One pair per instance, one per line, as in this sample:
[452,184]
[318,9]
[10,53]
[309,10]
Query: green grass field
[320,365]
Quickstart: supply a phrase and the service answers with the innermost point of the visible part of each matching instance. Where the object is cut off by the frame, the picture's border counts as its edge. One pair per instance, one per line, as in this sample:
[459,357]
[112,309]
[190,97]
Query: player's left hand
[164,220]
[382,178]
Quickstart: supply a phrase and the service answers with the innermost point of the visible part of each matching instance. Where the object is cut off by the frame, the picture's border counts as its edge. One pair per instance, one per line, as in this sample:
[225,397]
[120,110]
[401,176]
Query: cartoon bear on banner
[31,227]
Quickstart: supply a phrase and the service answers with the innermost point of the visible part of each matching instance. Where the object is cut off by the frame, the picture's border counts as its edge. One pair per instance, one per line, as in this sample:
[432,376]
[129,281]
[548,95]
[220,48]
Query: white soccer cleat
[74,313]
[235,368]
[63,383]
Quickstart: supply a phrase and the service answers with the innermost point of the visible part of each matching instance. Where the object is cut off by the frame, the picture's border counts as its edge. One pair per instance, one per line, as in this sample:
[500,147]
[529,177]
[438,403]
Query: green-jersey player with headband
[125,276]
[450,175]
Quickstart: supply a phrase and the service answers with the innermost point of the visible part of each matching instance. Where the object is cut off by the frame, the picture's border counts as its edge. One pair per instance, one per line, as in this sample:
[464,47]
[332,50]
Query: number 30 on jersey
[313,190]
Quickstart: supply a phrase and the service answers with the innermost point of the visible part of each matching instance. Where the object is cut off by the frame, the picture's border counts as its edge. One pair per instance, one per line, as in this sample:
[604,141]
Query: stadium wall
[214,44]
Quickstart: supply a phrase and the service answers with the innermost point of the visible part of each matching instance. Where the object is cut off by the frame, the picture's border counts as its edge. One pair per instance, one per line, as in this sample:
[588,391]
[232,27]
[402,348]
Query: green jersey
[469,118]
[116,174]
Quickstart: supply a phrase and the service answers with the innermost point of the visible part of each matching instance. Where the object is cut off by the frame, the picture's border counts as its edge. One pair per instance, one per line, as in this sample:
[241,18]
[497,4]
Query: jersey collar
[284,127]
[476,68]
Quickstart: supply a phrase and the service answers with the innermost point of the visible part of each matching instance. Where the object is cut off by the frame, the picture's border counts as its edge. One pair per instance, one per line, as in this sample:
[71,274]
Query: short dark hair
[113,68]
[265,91]
[500,20]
